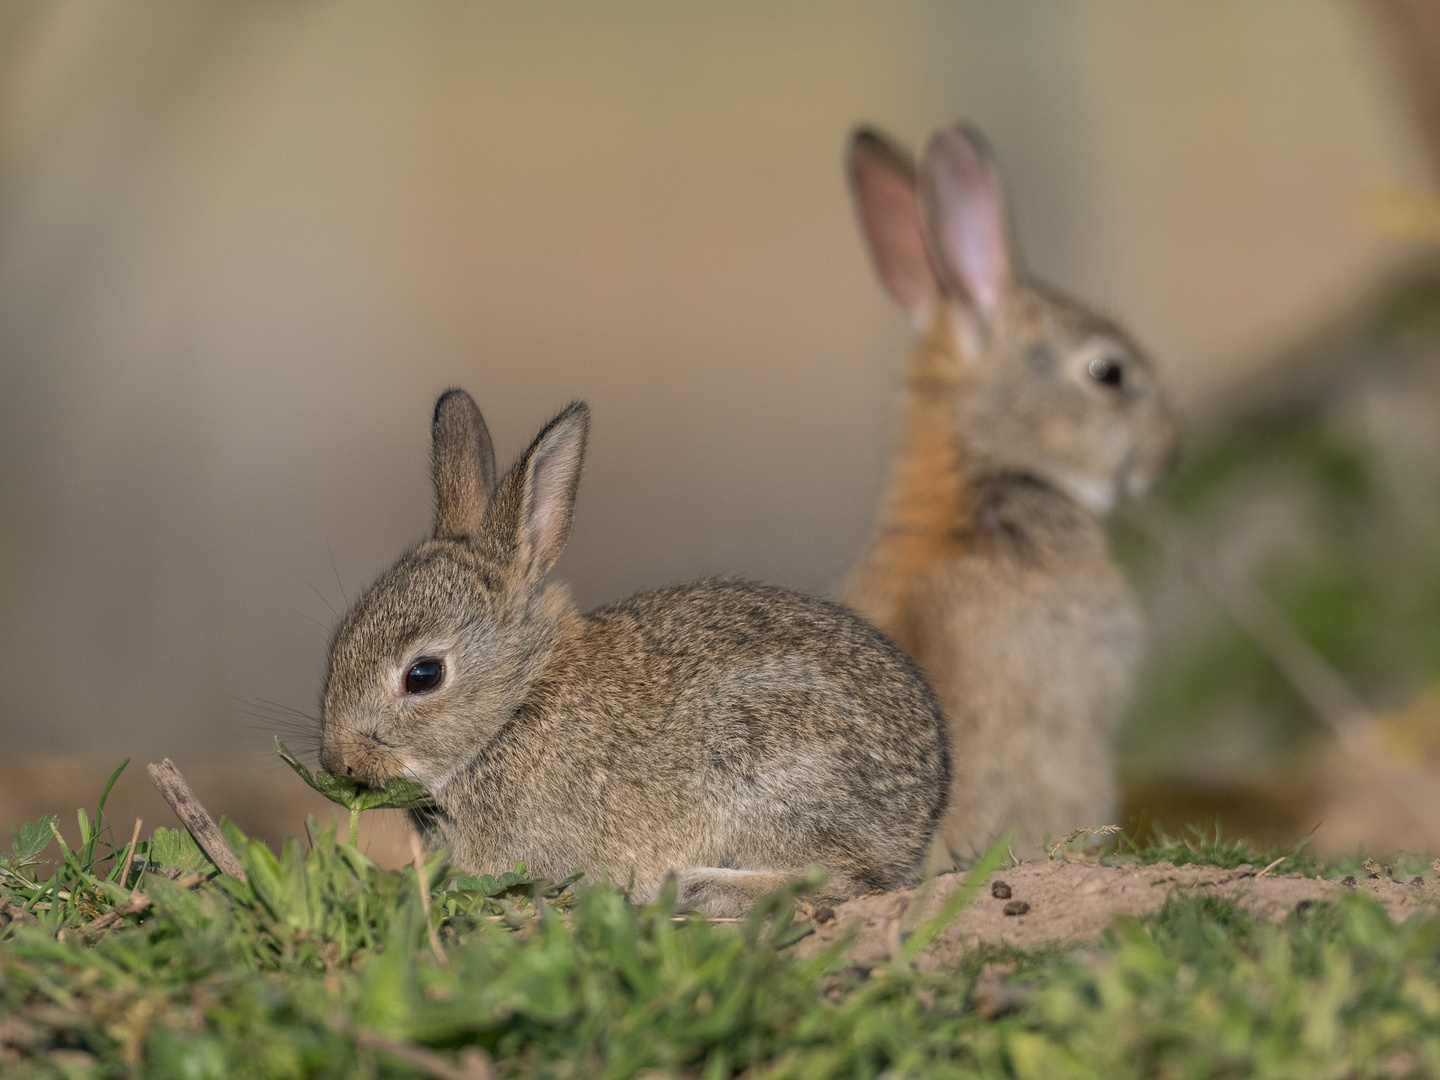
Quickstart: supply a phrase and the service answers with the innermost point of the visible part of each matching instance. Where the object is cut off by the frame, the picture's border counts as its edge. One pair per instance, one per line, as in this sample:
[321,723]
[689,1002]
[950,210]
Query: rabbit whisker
[318,593]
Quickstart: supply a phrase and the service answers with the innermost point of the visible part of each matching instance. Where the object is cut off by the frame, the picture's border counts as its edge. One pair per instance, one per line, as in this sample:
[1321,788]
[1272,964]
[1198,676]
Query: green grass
[321,965]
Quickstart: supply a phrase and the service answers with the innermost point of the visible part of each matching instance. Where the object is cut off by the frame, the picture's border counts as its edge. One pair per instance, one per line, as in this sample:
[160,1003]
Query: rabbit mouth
[370,761]
[1137,482]
[1100,495]
[1140,474]
[432,774]
[1097,495]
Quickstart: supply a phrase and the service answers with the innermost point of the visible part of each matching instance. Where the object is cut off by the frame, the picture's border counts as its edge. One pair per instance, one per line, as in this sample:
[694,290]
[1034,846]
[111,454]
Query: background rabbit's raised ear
[549,475]
[882,184]
[463,463]
[967,227]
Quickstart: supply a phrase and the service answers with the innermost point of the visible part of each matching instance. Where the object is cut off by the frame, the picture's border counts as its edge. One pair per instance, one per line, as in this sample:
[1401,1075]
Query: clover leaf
[397,794]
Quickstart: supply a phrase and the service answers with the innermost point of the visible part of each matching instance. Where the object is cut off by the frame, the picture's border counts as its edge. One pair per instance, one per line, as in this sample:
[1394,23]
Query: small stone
[823,914]
[1016,907]
[1417,880]
[1000,890]
[1304,905]
[1348,879]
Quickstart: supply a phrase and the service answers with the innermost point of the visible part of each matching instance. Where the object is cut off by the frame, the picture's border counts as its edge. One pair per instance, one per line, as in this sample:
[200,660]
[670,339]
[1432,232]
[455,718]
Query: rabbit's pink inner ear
[552,477]
[882,182]
[964,206]
[463,465]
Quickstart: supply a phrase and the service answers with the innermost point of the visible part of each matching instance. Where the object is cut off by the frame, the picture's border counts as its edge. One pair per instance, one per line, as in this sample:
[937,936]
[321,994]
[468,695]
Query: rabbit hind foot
[722,892]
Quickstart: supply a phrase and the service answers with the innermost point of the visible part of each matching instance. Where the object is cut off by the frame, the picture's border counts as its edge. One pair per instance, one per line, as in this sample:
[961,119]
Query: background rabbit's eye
[424,676]
[1106,371]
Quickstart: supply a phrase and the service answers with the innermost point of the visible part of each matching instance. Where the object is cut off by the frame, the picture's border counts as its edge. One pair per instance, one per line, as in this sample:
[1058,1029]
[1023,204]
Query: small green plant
[175,853]
[93,878]
[29,844]
[1205,846]
[397,794]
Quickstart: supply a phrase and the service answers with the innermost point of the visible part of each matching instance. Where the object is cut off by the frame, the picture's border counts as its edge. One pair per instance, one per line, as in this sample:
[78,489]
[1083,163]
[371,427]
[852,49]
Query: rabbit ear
[462,460]
[882,184]
[966,223]
[550,474]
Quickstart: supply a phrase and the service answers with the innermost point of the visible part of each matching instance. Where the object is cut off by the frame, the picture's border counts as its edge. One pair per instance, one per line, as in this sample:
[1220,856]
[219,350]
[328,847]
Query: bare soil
[1074,902]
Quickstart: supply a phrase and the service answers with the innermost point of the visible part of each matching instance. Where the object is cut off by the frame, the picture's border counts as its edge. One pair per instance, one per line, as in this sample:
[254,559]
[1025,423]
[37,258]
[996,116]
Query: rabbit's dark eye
[1107,371]
[424,676]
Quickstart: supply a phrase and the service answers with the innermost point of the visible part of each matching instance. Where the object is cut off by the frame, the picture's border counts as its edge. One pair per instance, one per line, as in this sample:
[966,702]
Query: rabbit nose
[332,760]
[1155,465]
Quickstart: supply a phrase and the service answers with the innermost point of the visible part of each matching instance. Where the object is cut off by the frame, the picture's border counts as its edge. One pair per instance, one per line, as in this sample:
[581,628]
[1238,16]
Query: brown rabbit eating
[729,733]
[1026,417]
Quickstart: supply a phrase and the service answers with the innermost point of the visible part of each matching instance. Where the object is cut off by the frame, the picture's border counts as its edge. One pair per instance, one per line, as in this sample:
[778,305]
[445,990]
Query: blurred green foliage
[1324,493]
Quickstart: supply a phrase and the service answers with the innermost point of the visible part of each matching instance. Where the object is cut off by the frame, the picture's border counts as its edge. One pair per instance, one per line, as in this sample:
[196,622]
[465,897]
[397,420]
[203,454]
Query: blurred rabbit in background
[1026,418]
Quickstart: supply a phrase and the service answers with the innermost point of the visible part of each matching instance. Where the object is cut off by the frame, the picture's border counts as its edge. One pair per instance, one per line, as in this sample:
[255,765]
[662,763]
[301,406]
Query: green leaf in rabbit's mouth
[397,794]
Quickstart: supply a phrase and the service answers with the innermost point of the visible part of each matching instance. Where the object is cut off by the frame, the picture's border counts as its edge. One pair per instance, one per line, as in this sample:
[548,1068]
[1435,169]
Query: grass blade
[957,901]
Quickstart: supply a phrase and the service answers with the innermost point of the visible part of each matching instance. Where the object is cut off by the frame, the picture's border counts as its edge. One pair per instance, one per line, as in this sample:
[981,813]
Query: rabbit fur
[1025,417]
[731,734]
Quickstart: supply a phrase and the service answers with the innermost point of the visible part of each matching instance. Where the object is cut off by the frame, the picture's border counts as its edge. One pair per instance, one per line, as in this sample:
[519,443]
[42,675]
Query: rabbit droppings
[728,733]
[1025,418]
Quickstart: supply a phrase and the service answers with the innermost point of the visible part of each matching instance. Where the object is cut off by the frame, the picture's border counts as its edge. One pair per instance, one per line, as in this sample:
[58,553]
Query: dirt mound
[1075,902]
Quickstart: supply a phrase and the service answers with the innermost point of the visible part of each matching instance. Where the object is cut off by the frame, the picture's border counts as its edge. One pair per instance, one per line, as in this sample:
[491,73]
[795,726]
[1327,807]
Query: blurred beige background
[243,245]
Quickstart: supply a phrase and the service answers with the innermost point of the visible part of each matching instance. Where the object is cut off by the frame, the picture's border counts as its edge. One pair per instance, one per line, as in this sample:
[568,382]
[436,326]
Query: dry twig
[15,913]
[197,819]
[133,905]
[417,853]
[130,853]
[1057,848]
